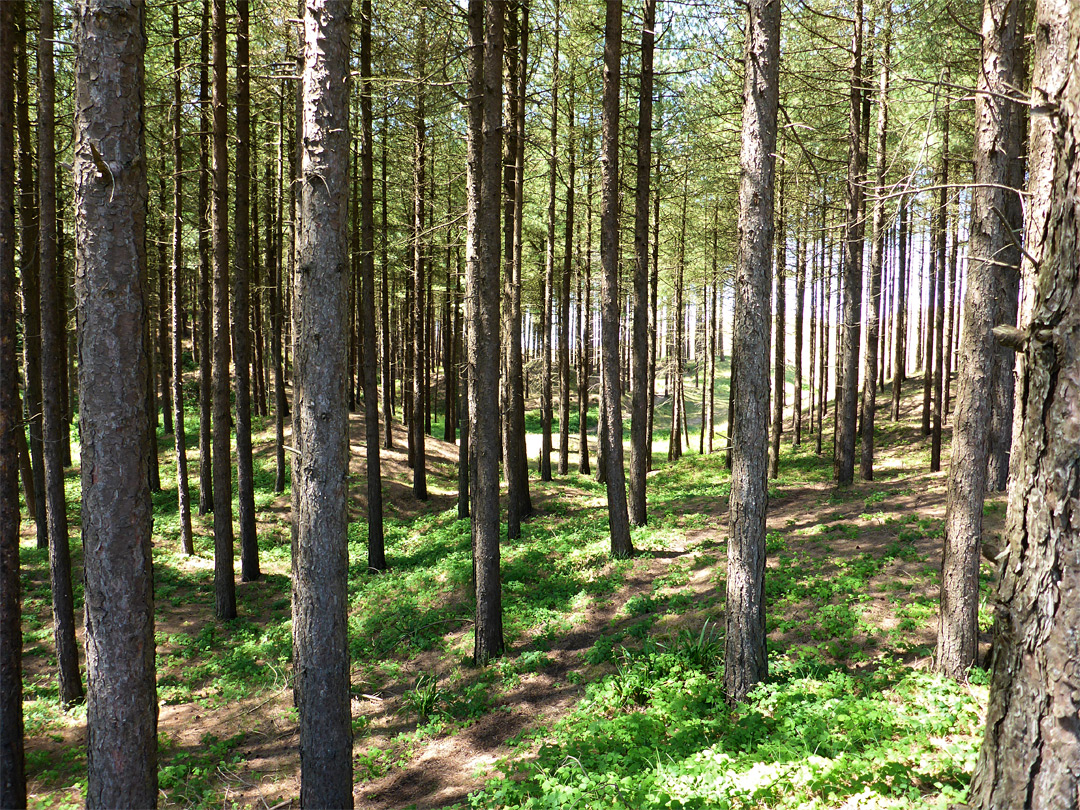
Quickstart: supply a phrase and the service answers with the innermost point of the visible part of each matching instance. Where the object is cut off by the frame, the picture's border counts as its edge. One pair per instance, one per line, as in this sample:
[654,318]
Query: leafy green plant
[426,699]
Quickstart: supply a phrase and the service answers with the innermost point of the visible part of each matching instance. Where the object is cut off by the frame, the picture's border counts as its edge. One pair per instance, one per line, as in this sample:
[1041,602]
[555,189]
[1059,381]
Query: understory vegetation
[611,692]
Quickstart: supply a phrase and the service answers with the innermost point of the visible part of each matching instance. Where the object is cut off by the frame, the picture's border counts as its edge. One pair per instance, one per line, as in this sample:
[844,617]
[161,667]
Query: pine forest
[653,405]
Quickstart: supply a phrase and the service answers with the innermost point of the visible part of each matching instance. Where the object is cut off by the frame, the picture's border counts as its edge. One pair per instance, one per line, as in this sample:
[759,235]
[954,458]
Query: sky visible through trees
[381,295]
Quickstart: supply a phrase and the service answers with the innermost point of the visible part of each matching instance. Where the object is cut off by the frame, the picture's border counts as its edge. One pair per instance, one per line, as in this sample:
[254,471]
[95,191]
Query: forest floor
[609,694]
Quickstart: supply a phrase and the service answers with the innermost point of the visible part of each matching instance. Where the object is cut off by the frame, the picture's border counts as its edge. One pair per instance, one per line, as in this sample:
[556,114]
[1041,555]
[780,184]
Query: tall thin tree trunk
[12,757]
[110,221]
[564,296]
[618,519]
[206,478]
[52,341]
[419,252]
[851,328]
[29,274]
[745,661]
[780,323]
[800,299]
[549,269]
[224,582]
[997,142]
[901,308]
[241,313]
[640,446]
[376,550]
[877,257]
[939,292]
[179,434]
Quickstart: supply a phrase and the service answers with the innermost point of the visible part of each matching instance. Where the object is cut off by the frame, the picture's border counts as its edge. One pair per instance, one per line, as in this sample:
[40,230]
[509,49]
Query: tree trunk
[939,292]
[179,434]
[241,314]
[52,342]
[564,296]
[900,318]
[12,758]
[745,662]
[110,211]
[206,478]
[776,425]
[586,329]
[851,329]
[1032,744]
[482,180]
[519,501]
[376,550]
[277,326]
[877,258]
[609,284]
[419,251]
[549,270]
[321,557]
[800,298]
[224,582]
[640,448]
[29,273]
[996,145]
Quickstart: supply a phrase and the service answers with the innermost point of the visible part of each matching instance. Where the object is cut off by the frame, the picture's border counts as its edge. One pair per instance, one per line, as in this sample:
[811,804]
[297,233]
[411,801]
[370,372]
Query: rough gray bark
[224,580]
[482,282]
[376,549]
[989,247]
[321,558]
[1032,745]
[110,234]
[241,311]
[877,258]
[29,275]
[12,758]
[179,434]
[745,662]
[206,477]
[618,518]
[640,448]
[419,269]
[851,328]
[52,341]
[519,500]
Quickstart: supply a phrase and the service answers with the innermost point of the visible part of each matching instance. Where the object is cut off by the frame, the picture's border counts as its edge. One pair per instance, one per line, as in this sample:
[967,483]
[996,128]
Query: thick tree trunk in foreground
[321,556]
[110,222]
[52,340]
[482,180]
[12,759]
[640,449]
[609,285]
[745,662]
[1032,746]
[990,246]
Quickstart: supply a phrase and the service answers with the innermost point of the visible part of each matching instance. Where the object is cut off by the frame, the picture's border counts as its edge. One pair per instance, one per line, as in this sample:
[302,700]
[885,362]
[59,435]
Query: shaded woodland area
[576,384]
